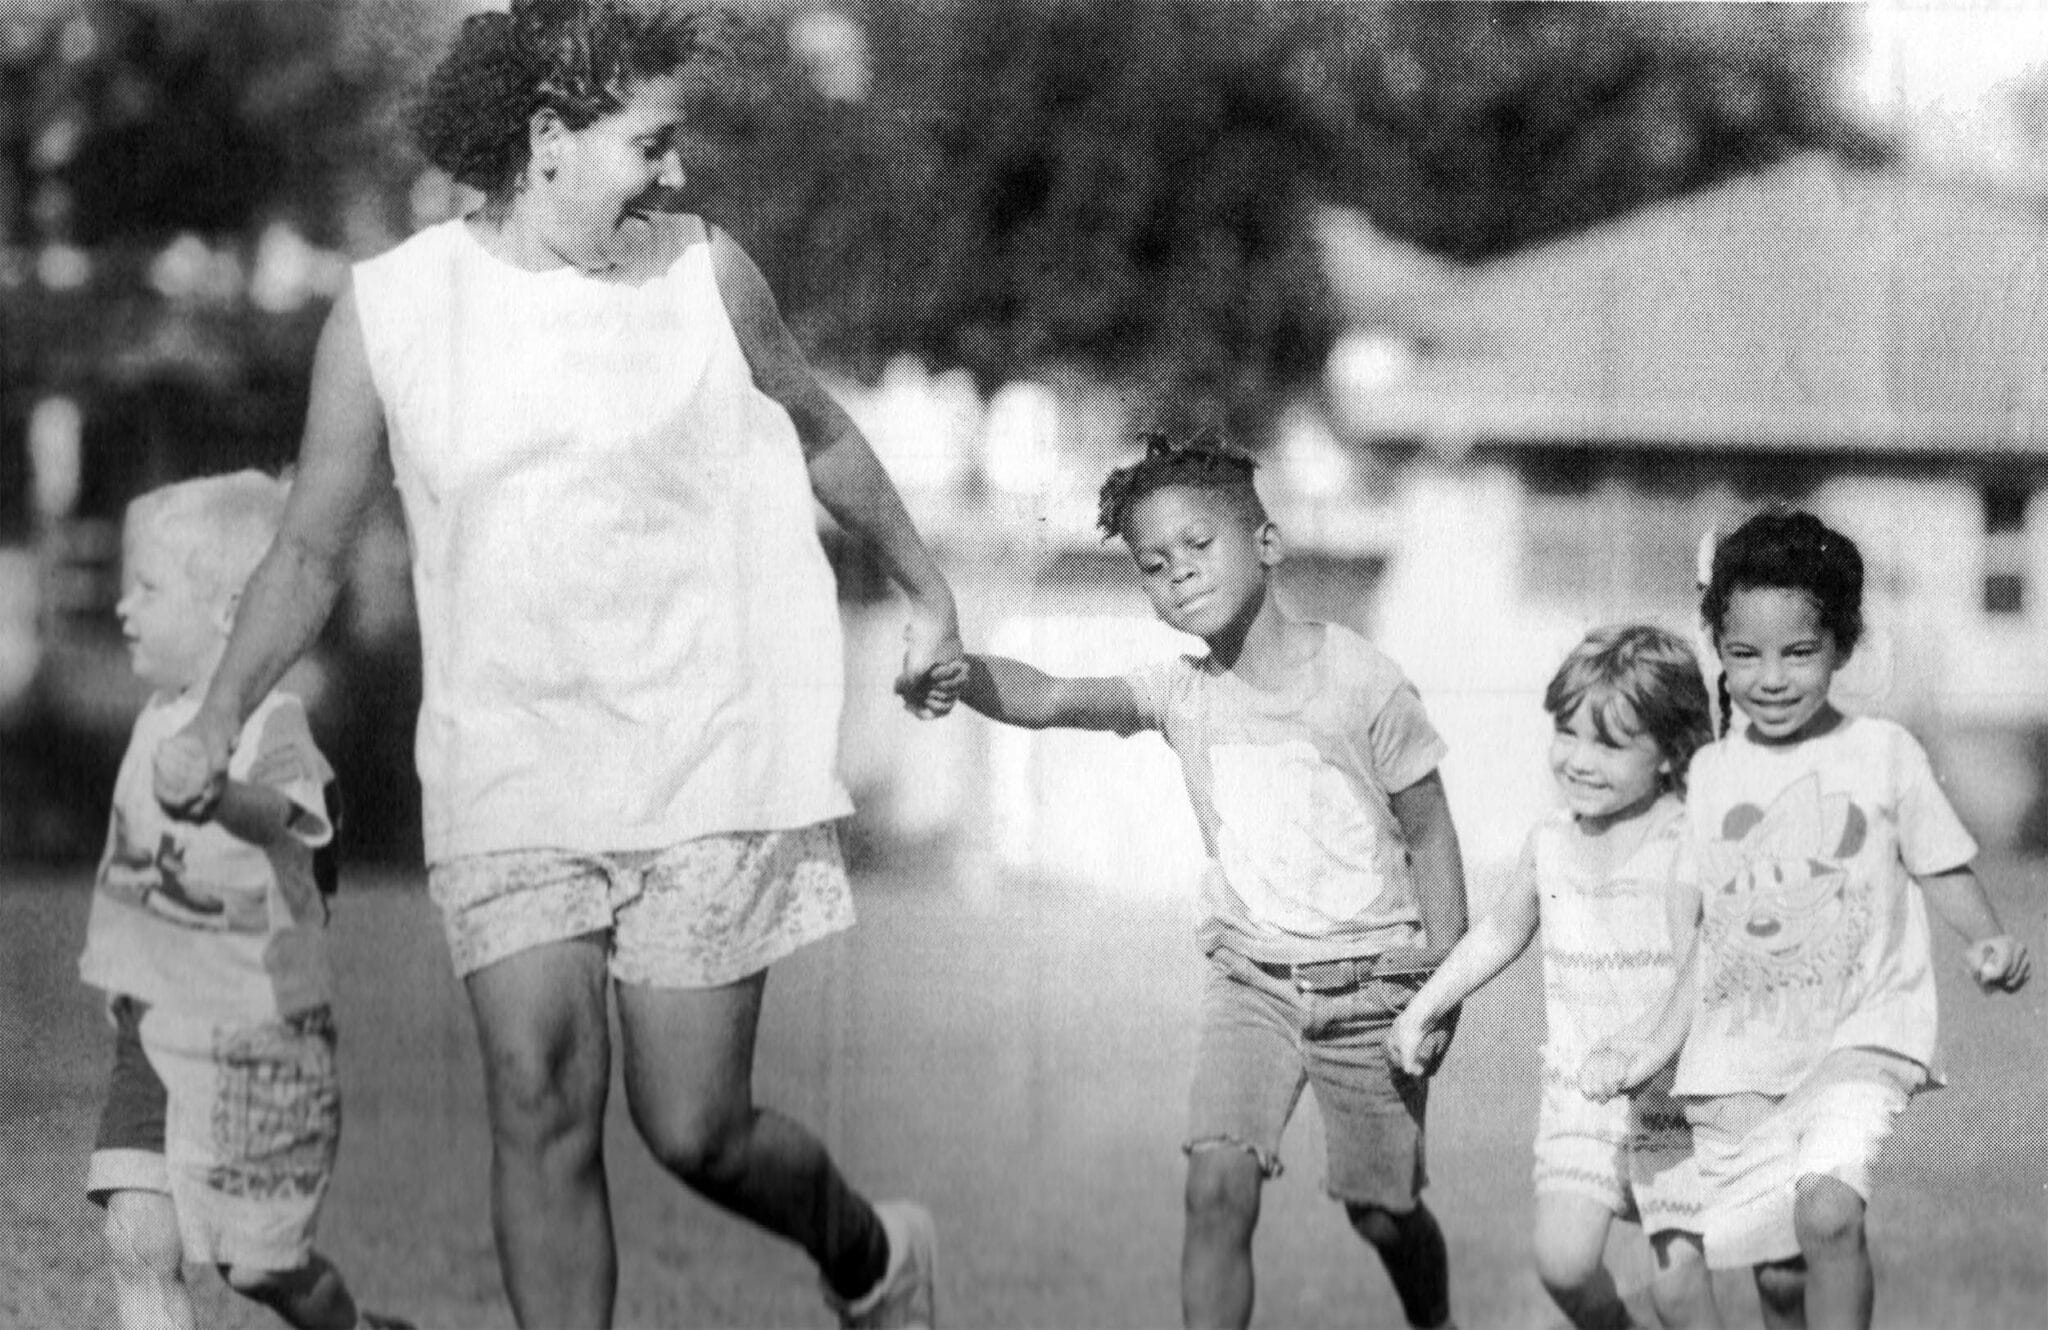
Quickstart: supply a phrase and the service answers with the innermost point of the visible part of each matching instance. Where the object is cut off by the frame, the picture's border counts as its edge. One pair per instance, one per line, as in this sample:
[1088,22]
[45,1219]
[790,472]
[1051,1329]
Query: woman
[607,444]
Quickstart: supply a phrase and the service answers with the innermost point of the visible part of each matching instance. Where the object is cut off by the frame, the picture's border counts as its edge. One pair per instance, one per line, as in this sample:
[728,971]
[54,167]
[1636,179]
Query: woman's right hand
[191,768]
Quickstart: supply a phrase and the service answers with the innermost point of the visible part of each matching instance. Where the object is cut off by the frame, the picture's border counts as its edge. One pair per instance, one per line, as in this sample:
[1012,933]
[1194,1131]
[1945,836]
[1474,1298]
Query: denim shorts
[1263,1039]
[707,912]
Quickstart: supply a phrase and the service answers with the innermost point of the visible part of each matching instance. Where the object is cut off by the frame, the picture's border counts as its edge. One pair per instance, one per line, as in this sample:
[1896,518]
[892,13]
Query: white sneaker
[906,1296]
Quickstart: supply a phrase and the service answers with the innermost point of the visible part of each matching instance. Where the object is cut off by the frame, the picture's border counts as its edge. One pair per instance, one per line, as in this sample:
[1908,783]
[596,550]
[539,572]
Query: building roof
[1812,306]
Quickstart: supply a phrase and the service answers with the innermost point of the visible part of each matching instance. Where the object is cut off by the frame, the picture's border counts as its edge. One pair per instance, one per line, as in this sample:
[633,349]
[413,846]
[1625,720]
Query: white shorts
[1753,1149]
[238,1124]
[707,912]
[1632,1154]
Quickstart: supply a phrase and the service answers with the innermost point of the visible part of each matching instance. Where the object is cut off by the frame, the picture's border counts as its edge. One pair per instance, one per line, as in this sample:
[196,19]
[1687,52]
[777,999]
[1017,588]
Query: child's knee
[1388,1230]
[1224,1180]
[1827,1215]
[1781,1285]
[1680,1287]
[269,1286]
[142,1235]
[1565,1262]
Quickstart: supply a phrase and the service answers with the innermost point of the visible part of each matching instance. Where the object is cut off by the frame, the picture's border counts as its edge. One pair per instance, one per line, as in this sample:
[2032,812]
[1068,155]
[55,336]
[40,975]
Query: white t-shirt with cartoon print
[191,918]
[1292,791]
[1814,934]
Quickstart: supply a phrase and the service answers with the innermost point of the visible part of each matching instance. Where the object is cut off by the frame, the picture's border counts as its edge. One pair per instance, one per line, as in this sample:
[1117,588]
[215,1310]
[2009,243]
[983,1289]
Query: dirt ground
[1019,1065]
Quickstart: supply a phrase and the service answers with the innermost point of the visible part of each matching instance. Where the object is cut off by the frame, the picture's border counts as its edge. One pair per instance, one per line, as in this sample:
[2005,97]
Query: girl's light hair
[1637,679]
[221,525]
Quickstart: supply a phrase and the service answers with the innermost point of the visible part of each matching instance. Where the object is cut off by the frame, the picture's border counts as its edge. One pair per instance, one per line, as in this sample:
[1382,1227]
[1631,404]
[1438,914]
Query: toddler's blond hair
[222,525]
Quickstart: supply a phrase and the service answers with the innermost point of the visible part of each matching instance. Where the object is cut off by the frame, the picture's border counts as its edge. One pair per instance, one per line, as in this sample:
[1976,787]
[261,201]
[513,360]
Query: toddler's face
[1203,568]
[174,629]
[1605,775]
[1778,659]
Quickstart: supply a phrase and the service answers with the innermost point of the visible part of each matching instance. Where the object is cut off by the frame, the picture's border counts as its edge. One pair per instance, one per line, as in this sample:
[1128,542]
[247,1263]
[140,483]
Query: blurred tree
[1477,129]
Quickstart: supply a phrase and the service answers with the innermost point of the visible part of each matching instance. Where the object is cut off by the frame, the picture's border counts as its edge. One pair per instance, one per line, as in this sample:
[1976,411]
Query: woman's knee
[1827,1216]
[702,1141]
[142,1235]
[543,1099]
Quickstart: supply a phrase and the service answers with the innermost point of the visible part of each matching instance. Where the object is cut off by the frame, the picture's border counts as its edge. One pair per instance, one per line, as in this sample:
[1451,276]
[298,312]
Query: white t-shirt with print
[1292,791]
[1814,934]
[191,918]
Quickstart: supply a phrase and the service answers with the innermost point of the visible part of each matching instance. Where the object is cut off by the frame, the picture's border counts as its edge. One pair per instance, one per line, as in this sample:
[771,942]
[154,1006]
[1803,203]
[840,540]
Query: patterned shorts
[238,1124]
[707,912]
[1632,1154]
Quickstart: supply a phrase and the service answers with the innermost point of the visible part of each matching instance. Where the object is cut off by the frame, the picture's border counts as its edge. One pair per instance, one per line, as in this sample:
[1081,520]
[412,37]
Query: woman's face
[605,174]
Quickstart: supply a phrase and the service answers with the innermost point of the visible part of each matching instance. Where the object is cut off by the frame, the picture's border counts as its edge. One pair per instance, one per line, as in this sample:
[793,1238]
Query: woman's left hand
[934,661]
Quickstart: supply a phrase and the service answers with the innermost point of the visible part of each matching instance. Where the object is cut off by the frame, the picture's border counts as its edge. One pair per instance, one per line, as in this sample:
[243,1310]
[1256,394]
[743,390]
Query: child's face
[1778,660]
[1603,777]
[1204,569]
[175,628]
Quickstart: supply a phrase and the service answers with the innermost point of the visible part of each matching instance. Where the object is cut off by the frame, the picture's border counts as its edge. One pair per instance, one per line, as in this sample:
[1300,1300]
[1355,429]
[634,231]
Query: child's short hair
[221,524]
[1794,551]
[1654,673]
[1203,461]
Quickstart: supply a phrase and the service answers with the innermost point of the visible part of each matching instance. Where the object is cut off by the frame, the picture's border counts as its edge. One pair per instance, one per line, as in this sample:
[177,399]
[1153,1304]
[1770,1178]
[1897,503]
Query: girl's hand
[2000,964]
[1605,1072]
[1404,1041]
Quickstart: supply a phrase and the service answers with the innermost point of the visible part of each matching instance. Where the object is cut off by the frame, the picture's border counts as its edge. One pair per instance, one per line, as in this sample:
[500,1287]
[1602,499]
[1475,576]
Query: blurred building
[1566,423]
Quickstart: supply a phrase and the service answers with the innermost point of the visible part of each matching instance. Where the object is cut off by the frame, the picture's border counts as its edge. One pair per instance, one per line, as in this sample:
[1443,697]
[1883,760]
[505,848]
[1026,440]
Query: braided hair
[1202,461]
[578,58]
[1786,549]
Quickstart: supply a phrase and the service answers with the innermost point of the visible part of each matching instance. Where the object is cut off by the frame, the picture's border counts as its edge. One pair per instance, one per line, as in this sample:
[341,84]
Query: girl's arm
[1623,1063]
[342,467]
[1503,934]
[1996,958]
[847,479]
[1016,694]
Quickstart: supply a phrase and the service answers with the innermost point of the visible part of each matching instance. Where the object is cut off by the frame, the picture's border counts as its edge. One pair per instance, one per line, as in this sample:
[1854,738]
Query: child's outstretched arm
[1016,694]
[1493,943]
[1998,961]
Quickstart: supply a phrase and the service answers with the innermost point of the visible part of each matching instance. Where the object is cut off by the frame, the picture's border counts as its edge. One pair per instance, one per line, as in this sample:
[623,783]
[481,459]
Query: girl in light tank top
[608,445]
[1601,880]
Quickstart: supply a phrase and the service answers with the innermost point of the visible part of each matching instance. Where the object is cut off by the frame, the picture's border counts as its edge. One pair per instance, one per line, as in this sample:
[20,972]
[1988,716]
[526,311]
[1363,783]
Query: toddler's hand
[1604,1073]
[2000,963]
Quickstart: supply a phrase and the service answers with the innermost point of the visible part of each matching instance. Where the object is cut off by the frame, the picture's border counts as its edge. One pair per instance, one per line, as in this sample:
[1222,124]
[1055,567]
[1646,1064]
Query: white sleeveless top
[630,631]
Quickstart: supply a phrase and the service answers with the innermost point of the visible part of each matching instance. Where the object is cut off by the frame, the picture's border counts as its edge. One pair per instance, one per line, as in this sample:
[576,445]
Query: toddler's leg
[1571,1260]
[149,1262]
[1682,1288]
[1224,1184]
[1781,1293]
[1412,1247]
[1840,1286]
[312,1297]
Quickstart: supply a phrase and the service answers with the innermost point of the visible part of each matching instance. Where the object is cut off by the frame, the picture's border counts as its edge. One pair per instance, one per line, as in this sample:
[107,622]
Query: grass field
[1022,1067]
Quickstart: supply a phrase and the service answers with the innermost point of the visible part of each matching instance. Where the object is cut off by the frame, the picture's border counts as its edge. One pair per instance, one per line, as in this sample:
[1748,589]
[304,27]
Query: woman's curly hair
[579,58]
[1203,461]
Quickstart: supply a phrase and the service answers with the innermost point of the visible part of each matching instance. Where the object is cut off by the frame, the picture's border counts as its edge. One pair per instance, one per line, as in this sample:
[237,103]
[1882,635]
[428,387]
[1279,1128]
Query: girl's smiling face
[1605,764]
[1779,661]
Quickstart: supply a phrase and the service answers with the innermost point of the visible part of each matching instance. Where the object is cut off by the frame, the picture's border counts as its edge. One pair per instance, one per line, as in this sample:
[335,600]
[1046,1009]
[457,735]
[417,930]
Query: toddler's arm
[1998,960]
[1498,938]
[259,814]
[1016,694]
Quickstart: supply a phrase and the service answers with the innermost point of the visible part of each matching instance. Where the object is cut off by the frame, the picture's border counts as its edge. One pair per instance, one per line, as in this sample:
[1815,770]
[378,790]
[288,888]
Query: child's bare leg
[1840,1286]
[1682,1288]
[149,1262]
[1412,1248]
[1781,1294]
[1224,1182]
[311,1297]
[1571,1260]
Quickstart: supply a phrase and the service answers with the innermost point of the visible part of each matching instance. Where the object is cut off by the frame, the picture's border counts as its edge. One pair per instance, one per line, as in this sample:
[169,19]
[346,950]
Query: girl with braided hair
[607,444]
